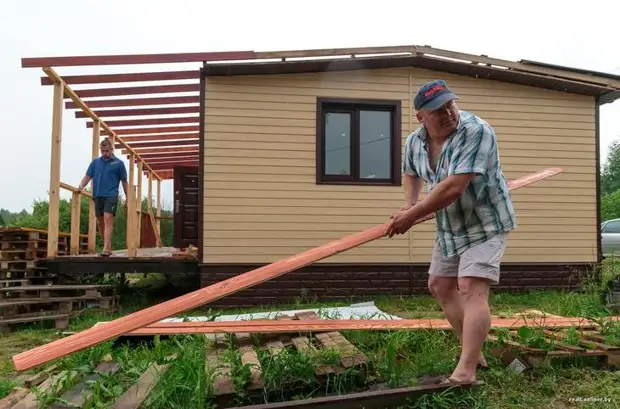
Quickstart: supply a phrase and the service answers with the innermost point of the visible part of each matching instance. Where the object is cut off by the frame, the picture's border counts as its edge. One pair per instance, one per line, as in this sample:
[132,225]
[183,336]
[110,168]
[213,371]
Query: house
[290,150]
[299,153]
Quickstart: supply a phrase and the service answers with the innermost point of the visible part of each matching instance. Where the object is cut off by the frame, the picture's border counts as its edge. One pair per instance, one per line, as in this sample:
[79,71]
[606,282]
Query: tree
[610,172]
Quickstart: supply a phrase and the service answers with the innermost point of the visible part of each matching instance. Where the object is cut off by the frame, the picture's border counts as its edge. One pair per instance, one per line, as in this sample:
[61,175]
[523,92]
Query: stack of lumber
[58,303]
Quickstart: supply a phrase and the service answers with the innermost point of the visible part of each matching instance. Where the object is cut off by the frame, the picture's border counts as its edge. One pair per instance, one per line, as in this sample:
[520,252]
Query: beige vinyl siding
[262,203]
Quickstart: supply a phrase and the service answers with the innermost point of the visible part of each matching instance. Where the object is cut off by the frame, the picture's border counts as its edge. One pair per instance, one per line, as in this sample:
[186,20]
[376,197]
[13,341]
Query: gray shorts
[482,261]
[105,205]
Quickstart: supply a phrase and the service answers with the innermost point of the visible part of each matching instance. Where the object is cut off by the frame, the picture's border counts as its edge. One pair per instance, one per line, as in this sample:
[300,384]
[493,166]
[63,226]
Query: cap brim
[439,101]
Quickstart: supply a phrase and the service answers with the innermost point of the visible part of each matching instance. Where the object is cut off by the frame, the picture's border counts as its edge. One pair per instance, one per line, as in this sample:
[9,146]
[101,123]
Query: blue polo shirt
[106,175]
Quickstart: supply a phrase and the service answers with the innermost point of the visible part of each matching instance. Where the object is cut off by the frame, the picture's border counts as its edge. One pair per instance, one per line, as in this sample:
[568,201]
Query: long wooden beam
[131,102]
[192,149]
[142,111]
[171,165]
[159,129]
[143,90]
[170,158]
[167,161]
[287,326]
[164,58]
[65,346]
[174,155]
[132,77]
[158,137]
[151,121]
[154,144]
[53,75]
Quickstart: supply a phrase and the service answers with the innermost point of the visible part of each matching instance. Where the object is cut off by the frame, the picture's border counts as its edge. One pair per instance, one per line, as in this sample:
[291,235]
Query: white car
[610,237]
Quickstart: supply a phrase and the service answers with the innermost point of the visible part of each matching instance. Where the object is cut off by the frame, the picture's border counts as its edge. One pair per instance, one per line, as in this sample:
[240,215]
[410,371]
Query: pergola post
[131,214]
[159,205]
[54,189]
[139,205]
[92,220]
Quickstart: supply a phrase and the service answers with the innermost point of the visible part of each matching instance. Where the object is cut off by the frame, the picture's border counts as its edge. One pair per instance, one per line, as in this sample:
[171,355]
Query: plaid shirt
[485,208]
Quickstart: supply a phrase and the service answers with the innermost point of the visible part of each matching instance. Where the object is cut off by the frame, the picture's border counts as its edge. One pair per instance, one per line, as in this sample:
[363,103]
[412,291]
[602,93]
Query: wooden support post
[149,209]
[75,223]
[131,213]
[92,220]
[159,206]
[139,205]
[53,225]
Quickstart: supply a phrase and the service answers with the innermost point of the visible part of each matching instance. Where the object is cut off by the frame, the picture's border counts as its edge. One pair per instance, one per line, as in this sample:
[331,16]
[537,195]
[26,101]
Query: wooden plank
[250,357]
[142,90]
[76,211]
[15,396]
[151,121]
[132,77]
[79,394]
[49,385]
[387,398]
[155,143]
[309,325]
[157,137]
[159,129]
[140,112]
[89,337]
[130,102]
[120,59]
[137,393]
[223,383]
[53,224]
[92,220]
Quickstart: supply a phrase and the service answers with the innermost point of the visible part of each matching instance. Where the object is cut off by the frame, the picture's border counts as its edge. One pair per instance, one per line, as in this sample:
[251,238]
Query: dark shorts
[105,205]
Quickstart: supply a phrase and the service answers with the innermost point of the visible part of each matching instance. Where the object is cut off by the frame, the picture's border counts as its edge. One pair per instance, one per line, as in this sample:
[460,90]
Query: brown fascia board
[431,63]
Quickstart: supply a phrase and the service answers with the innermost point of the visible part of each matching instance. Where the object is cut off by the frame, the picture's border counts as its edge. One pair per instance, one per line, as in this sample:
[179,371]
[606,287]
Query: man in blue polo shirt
[456,154]
[106,172]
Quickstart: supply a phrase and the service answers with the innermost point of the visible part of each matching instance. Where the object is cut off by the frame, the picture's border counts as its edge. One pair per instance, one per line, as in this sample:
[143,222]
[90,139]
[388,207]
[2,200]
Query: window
[358,142]
[612,227]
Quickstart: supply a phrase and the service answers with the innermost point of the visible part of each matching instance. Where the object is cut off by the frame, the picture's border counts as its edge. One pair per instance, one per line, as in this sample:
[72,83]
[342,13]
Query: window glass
[612,227]
[375,144]
[337,143]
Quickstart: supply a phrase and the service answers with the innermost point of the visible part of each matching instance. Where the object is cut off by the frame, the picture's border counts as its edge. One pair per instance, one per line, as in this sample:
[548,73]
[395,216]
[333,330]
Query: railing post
[54,190]
[159,206]
[139,205]
[75,223]
[92,220]
[131,213]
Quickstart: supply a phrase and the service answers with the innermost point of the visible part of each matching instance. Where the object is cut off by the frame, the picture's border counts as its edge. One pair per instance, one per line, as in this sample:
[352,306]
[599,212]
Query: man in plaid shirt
[456,154]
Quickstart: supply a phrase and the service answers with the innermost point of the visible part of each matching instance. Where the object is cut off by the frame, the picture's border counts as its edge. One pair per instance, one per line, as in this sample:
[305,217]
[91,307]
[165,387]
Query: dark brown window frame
[322,106]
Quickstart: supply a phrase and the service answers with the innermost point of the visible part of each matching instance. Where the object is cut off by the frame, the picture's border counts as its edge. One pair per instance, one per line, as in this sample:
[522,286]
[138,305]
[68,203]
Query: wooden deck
[148,260]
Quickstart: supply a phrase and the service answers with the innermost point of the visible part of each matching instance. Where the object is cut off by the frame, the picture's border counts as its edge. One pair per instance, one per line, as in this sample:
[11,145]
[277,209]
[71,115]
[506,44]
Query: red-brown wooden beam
[172,161]
[158,137]
[161,129]
[164,175]
[168,156]
[73,61]
[150,89]
[141,111]
[133,77]
[150,121]
[166,166]
[129,102]
[168,151]
[155,144]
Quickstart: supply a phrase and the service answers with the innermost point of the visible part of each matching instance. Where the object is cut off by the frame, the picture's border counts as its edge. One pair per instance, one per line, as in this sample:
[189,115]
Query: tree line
[38,218]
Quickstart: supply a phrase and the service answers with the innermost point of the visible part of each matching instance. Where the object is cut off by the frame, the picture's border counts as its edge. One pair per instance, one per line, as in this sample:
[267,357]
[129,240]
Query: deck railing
[134,191]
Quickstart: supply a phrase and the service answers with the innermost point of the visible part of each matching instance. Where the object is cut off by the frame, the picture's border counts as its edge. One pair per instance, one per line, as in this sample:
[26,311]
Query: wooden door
[186,228]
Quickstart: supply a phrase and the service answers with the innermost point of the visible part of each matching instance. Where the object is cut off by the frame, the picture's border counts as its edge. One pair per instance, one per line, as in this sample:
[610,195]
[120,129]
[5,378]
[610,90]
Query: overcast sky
[549,31]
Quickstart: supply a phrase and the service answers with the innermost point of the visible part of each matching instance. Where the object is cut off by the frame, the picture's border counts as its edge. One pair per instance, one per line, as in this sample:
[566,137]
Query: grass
[398,358]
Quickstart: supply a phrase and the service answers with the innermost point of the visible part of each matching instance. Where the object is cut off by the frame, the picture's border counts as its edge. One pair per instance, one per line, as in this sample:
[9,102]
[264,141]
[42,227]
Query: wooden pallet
[349,357]
[52,383]
[76,389]
[552,343]
[58,303]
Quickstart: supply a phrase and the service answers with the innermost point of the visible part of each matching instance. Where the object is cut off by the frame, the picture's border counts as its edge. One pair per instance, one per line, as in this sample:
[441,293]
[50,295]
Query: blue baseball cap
[433,95]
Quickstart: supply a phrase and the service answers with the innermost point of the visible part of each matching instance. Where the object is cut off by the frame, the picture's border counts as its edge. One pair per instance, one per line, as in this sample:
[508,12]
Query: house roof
[524,72]
[156,115]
